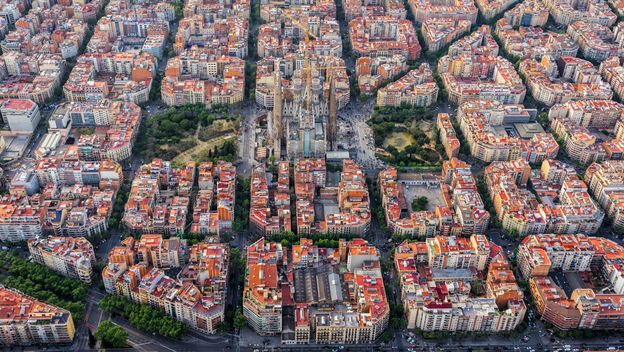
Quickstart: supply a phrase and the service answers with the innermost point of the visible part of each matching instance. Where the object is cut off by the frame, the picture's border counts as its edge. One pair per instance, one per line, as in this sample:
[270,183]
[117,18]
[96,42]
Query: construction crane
[307,69]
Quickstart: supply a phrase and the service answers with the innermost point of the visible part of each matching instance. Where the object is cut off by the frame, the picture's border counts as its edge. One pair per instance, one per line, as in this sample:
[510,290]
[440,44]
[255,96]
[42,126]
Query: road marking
[138,346]
[172,350]
[86,318]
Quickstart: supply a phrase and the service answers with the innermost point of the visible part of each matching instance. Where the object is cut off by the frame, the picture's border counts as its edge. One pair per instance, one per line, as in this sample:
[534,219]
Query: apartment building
[555,206]
[120,119]
[120,258]
[416,88]
[19,222]
[534,42]
[553,304]
[422,223]
[222,34]
[363,8]
[196,76]
[492,8]
[154,251]
[62,197]
[462,214]
[597,42]
[440,32]
[47,38]
[470,215]
[353,202]
[375,36]
[213,210]
[310,306]
[567,78]
[606,183]
[458,253]
[612,72]
[196,297]
[44,73]
[473,70]
[529,13]
[283,36]
[577,123]
[270,212]
[159,198]
[26,321]
[342,208]
[435,288]
[566,12]
[69,256]
[139,9]
[538,255]
[90,79]
[262,297]
[579,142]
[236,7]
[48,30]
[12,10]
[502,132]
[448,137]
[373,72]
[128,29]
[455,9]
[583,308]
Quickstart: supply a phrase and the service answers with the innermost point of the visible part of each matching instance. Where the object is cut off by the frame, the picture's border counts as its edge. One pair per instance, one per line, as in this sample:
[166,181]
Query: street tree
[111,335]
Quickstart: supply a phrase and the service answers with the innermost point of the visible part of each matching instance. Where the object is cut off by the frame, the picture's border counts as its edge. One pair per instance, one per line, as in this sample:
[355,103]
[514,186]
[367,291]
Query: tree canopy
[143,317]
[111,335]
[420,203]
[165,135]
[44,284]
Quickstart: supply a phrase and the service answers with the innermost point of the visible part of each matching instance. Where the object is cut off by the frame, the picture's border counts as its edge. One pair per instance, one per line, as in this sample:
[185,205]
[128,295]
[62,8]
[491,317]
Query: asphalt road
[357,113]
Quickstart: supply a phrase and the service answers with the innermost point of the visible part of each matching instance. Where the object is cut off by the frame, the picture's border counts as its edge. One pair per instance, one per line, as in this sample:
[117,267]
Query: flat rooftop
[528,130]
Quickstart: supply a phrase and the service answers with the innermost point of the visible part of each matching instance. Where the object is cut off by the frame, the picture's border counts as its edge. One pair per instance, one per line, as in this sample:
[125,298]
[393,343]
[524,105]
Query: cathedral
[303,121]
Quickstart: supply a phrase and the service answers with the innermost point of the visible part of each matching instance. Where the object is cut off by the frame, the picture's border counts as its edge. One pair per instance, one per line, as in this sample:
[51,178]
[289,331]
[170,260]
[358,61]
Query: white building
[20,114]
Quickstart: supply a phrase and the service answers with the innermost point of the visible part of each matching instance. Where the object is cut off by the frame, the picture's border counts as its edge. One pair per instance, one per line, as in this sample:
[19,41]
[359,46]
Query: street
[355,136]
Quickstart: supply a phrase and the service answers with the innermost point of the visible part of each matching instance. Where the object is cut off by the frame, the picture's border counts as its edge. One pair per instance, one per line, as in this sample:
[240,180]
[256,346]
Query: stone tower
[332,139]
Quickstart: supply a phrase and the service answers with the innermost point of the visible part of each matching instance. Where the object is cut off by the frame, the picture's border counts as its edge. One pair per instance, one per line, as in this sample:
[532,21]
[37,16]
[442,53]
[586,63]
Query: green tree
[111,335]
[543,119]
[420,203]
[239,319]
[143,317]
[241,207]
[44,284]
